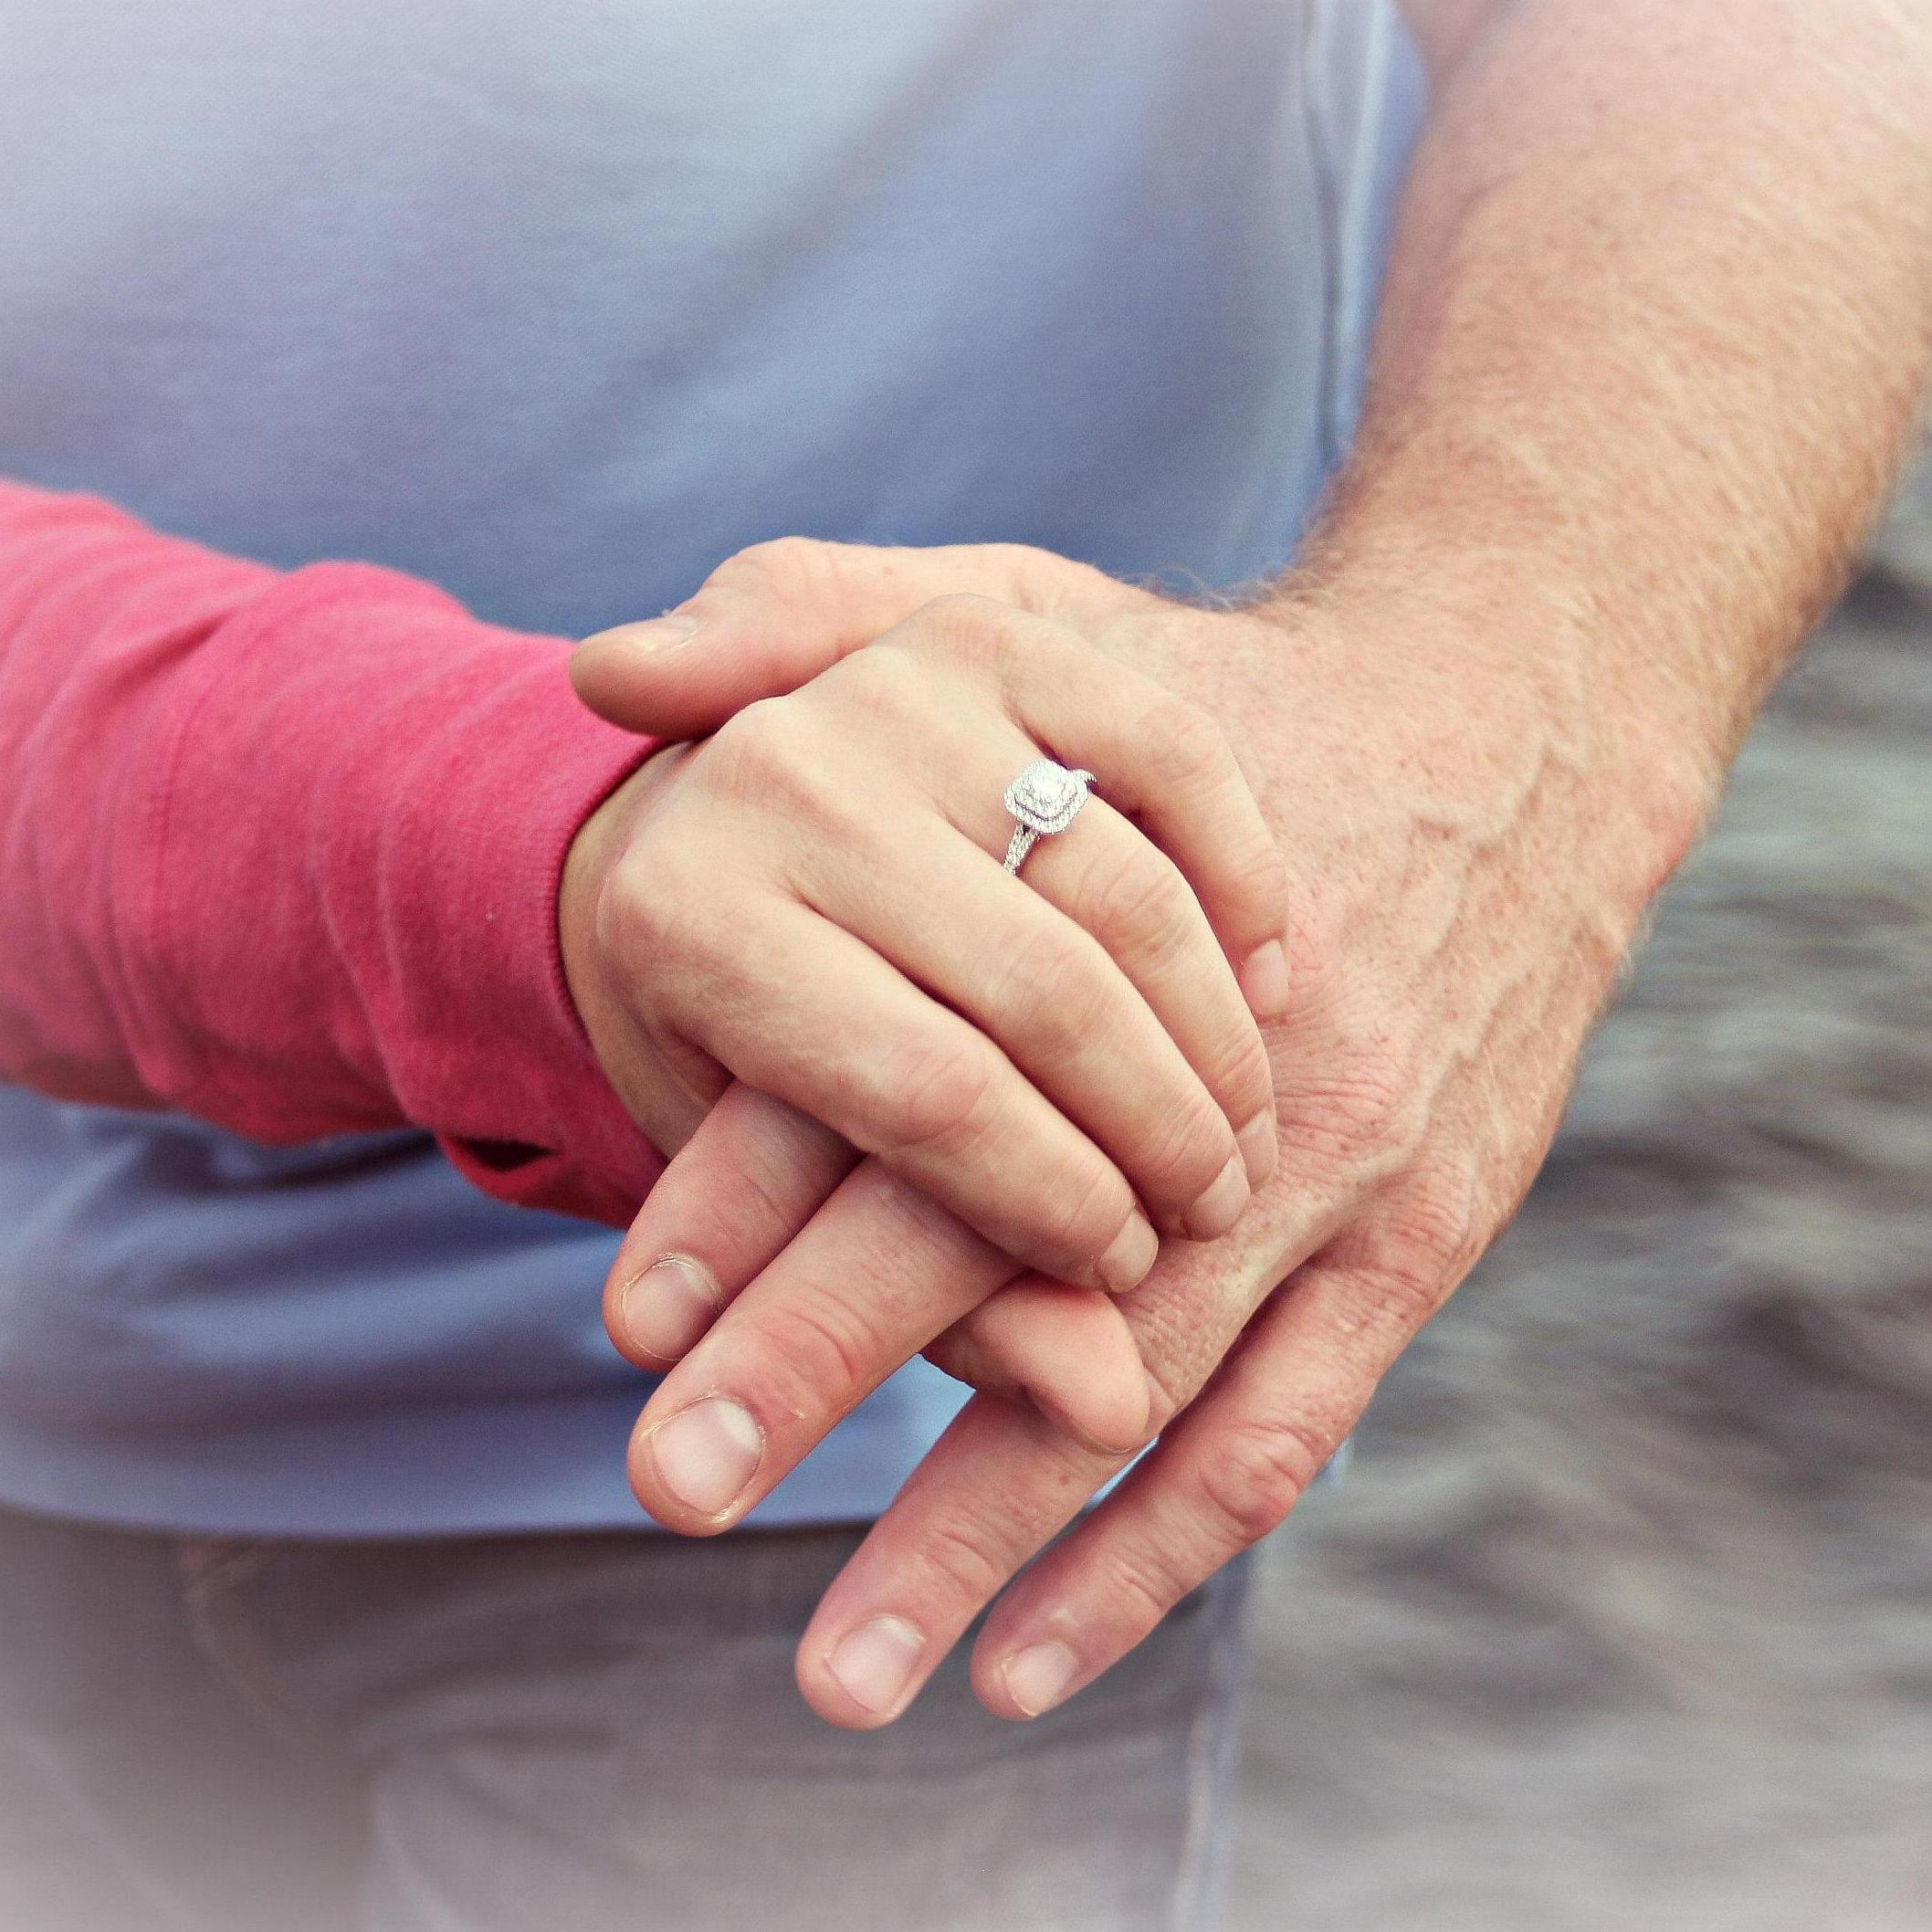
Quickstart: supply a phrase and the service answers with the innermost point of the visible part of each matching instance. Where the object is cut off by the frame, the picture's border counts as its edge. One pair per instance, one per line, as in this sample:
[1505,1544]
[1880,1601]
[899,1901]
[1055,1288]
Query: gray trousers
[559,1734]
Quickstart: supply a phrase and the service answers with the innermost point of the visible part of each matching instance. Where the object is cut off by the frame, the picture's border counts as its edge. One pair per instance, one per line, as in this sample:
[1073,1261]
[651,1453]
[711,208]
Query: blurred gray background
[1623,1617]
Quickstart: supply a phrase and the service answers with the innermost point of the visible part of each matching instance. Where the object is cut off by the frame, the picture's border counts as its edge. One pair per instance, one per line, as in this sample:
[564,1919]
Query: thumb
[773,617]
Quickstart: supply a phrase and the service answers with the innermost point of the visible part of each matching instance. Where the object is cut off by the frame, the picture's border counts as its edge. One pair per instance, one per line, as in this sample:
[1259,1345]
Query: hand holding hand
[811,898]
[1474,851]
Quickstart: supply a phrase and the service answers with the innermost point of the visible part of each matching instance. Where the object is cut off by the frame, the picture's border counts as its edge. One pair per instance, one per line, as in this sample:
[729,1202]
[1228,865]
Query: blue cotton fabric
[558,307]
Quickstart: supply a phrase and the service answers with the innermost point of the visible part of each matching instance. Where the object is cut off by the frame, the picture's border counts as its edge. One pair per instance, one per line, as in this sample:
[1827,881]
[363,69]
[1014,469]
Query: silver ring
[1043,799]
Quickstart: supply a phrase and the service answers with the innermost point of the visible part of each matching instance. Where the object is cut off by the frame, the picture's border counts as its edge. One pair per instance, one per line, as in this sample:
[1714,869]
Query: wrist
[593,852]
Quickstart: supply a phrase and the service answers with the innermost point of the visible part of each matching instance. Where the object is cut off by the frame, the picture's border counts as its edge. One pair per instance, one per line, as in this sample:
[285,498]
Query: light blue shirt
[558,306]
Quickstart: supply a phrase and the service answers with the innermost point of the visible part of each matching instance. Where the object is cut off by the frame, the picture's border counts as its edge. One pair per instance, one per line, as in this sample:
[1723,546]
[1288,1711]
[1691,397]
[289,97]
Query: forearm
[281,851]
[1655,327]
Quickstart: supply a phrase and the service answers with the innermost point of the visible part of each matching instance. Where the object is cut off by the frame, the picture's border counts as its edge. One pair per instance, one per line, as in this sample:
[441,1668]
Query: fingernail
[1260,1144]
[1220,1207]
[1130,1255]
[655,635]
[668,1307]
[875,1663]
[705,1455]
[1264,980]
[1037,1677]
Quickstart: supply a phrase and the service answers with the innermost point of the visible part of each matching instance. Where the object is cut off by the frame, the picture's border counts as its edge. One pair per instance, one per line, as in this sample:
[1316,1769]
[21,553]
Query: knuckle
[1047,582]
[645,913]
[1027,560]
[914,1233]
[1400,1293]
[1438,1215]
[827,1346]
[1173,1378]
[888,681]
[1144,1581]
[1258,1470]
[976,629]
[1168,1391]
[1086,1213]
[960,1553]
[1240,1068]
[1185,745]
[1318,978]
[1049,993]
[755,744]
[626,913]
[1181,1344]
[1140,904]
[761,1196]
[1259,878]
[965,609]
[930,1093]
[776,759]
[1068,575]
[789,568]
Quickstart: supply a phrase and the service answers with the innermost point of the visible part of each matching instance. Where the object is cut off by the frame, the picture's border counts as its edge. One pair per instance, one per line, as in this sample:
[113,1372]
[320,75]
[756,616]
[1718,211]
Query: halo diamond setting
[1044,799]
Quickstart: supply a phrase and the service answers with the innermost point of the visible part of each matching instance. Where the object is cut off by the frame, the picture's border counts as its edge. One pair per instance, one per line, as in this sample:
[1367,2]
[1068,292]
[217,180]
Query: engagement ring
[1043,799]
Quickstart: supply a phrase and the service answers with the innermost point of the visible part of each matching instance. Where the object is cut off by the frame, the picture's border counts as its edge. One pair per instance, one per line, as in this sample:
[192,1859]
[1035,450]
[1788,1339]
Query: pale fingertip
[1129,1257]
[647,637]
[1222,1203]
[667,1309]
[1039,1677]
[1264,977]
[874,1663]
[604,668]
[705,1456]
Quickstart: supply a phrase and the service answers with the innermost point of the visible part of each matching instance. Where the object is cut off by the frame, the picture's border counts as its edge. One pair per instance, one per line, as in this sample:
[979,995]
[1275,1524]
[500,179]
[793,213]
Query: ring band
[1043,799]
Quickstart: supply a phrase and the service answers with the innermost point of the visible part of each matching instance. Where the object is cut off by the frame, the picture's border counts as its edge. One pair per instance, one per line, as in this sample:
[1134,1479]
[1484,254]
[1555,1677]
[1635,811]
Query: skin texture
[1655,325]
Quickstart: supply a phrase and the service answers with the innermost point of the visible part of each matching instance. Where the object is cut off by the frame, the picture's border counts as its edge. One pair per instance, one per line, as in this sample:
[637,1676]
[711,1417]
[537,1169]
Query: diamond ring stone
[1043,799]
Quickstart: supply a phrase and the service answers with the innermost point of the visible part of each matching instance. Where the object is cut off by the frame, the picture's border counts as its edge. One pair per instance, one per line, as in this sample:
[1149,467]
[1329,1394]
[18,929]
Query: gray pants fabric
[573,1733]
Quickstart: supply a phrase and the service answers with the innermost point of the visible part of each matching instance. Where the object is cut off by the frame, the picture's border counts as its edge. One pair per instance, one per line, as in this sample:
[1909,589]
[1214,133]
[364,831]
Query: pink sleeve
[282,850]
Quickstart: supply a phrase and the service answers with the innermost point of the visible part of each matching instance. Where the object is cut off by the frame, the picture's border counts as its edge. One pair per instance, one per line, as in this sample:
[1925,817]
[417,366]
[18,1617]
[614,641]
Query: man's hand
[1468,868]
[1654,325]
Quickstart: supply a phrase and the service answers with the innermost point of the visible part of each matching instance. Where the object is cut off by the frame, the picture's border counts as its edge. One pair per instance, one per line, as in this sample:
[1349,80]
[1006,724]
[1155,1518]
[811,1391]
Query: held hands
[810,899]
[1474,848]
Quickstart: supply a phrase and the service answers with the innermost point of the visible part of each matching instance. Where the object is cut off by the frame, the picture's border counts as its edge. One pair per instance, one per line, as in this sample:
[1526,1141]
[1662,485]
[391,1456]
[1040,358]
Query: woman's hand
[812,900]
